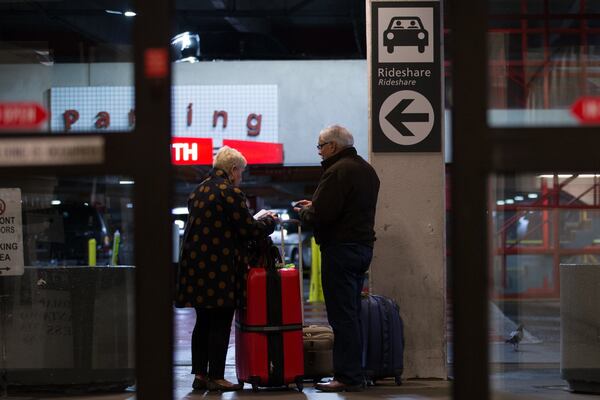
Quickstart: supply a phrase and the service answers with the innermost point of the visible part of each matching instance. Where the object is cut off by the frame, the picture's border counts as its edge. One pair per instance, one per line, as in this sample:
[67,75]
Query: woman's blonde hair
[227,158]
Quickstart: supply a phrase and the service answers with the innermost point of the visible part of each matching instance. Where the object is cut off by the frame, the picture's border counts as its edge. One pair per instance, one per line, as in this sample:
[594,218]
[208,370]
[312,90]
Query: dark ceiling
[82,31]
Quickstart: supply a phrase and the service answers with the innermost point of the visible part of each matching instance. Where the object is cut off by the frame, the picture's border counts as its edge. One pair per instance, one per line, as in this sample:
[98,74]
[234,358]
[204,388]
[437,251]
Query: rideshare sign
[406,83]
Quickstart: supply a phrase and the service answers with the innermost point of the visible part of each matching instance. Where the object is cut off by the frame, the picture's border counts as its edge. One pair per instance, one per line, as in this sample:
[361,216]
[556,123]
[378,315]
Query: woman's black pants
[210,340]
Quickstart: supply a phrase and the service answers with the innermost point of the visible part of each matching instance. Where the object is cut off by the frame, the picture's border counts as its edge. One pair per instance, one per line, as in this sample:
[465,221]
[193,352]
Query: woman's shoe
[222,385]
[199,383]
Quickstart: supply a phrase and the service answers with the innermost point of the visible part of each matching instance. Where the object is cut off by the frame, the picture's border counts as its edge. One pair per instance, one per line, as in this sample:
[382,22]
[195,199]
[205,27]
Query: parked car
[405,31]
[59,235]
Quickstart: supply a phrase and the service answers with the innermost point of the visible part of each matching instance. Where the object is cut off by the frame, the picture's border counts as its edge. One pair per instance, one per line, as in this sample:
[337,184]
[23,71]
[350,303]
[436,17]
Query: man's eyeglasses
[321,145]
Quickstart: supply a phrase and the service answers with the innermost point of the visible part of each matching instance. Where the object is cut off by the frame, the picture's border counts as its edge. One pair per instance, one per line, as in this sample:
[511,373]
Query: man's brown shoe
[337,386]
[199,383]
[222,385]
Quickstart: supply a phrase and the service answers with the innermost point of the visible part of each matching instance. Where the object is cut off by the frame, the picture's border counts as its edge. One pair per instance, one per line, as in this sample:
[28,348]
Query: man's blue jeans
[343,267]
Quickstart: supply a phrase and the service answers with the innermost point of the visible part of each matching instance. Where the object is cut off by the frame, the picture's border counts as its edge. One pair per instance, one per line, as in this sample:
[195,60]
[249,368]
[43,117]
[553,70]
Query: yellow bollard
[316,288]
[92,252]
[115,249]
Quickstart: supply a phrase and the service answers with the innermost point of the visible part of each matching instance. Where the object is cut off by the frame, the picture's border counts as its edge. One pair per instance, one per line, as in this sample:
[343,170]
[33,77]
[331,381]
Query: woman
[213,264]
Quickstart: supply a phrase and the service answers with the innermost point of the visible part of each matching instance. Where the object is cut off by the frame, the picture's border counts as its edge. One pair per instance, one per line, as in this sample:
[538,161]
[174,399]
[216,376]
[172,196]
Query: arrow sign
[397,117]
[406,117]
[22,115]
[587,109]
[5,269]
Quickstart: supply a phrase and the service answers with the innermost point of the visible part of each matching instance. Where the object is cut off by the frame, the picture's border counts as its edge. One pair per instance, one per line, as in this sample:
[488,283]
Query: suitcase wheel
[254,381]
[398,380]
[299,384]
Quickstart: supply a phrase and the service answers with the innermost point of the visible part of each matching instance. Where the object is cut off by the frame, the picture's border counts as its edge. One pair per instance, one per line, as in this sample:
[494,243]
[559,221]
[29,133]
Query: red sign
[191,151]
[258,152]
[21,115]
[587,109]
[156,63]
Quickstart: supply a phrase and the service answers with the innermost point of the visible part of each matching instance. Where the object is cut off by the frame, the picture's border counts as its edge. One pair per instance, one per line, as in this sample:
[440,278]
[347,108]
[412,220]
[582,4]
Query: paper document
[260,214]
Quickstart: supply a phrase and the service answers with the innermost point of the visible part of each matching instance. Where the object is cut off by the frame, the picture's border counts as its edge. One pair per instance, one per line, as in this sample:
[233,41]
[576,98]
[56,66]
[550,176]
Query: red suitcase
[268,337]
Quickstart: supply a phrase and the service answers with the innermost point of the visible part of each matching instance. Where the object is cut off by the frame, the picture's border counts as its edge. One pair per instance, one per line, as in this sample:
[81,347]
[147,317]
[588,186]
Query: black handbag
[264,254]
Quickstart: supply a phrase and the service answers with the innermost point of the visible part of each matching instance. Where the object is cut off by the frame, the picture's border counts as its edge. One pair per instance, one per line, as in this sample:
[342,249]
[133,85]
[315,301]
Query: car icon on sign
[405,31]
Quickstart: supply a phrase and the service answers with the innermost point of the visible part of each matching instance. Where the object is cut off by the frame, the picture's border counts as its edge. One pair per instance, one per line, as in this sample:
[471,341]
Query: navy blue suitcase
[383,339]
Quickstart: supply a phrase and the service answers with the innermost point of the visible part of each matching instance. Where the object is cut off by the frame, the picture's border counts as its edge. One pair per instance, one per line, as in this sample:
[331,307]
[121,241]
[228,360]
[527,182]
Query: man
[342,214]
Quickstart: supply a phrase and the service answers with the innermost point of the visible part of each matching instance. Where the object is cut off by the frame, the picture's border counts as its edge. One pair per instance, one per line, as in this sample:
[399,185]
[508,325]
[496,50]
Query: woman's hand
[273,216]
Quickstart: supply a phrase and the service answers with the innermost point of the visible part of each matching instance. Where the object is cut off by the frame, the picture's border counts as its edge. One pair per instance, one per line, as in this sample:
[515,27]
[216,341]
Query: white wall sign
[11,233]
[239,112]
[52,151]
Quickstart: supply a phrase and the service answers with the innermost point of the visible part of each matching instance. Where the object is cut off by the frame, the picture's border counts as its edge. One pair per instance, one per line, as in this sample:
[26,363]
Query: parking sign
[11,232]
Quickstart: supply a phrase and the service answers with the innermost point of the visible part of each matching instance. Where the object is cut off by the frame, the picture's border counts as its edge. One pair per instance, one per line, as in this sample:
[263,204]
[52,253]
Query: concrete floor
[532,373]
[531,384]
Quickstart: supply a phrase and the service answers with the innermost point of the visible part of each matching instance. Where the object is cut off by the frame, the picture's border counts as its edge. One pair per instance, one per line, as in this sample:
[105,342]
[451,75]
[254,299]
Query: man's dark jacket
[343,205]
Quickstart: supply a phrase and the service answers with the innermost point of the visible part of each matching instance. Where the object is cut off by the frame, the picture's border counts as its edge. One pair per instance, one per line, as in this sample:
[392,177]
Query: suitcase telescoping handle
[300,257]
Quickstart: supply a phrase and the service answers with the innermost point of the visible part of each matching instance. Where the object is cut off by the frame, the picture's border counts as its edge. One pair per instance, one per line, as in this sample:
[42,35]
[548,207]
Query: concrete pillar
[409,258]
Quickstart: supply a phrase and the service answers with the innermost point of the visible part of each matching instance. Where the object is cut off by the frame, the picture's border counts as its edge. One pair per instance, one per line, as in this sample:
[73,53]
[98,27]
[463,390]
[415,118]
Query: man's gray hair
[338,134]
[227,158]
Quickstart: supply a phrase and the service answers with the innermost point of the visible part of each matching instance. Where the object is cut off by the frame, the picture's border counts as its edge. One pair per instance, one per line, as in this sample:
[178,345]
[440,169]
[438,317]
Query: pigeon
[515,337]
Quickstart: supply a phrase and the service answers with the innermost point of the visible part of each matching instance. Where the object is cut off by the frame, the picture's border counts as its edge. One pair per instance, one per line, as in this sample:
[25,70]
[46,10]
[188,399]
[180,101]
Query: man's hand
[299,205]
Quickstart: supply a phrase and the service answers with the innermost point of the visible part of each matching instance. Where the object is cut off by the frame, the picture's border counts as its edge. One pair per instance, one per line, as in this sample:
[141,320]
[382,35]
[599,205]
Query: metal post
[3,378]
[282,243]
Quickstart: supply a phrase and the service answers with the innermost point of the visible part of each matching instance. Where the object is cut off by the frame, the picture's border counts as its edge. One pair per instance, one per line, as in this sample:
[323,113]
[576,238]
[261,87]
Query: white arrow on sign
[406,117]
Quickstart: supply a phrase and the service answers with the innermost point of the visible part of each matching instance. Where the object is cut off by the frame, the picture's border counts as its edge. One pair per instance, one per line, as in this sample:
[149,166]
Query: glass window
[67,293]
[504,7]
[563,7]
[543,72]
[535,6]
[545,234]
[66,66]
[592,6]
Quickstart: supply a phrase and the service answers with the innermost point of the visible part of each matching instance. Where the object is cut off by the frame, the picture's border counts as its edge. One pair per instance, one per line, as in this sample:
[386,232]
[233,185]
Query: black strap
[267,328]
[274,318]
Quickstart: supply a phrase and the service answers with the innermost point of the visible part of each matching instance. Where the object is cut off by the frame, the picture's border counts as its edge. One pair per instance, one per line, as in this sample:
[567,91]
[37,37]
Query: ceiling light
[509,201]
[185,47]
[532,195]
[586,176]
[519,198]
[55,202]
[113,12]
[129,14]
[126,182]
[500,202]
[564,176]
[546,176]
[180,211]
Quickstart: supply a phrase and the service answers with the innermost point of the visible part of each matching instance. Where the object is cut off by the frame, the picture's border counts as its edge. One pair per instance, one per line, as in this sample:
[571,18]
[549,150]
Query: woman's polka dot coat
[213,261]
